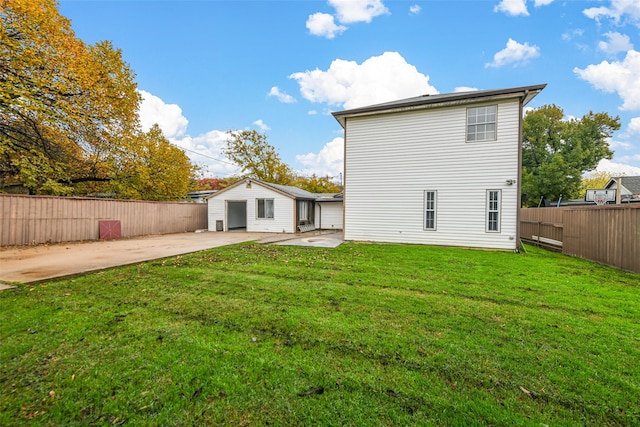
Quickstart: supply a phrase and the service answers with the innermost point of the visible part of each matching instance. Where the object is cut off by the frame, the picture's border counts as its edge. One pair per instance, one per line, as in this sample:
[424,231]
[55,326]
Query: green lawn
[362,334]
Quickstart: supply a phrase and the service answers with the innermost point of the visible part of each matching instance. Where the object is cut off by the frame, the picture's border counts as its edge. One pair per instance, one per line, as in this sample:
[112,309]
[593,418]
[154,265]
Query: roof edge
[526,93]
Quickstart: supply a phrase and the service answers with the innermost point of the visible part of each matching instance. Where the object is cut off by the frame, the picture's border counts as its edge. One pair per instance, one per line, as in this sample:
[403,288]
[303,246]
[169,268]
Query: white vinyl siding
[430,210]
[283,209]
[493,211]
[390,159]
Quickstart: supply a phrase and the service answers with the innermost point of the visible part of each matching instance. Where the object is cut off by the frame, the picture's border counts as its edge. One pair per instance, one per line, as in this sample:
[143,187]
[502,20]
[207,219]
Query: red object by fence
[110,229]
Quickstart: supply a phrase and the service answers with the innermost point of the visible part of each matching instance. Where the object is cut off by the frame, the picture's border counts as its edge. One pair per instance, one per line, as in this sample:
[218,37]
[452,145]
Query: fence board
[41,219]
[607,234]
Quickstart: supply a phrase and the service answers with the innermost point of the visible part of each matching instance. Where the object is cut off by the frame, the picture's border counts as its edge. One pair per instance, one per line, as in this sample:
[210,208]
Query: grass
[362,334]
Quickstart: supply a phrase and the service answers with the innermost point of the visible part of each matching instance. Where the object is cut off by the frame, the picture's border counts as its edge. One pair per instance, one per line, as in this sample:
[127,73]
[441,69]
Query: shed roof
[527,93]
[287,190]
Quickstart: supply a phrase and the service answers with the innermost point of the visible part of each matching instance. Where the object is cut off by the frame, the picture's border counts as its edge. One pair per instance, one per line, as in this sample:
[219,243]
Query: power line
[205,155]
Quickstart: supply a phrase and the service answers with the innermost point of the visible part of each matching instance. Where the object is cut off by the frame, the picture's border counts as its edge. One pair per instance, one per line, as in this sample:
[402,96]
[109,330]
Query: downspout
[519,180]
[618,189]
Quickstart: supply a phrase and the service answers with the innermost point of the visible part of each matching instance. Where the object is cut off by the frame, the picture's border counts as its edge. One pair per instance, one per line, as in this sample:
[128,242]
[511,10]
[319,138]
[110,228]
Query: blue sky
[281,67]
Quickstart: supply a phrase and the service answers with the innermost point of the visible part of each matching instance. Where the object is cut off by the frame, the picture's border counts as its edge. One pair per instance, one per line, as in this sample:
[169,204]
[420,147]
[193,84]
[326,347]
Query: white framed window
[494,201]
[265,208]
[303,210]
[481,123]
[430,200]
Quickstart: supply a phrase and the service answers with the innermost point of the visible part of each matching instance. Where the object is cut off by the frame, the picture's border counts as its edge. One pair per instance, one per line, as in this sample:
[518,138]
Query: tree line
[69,125]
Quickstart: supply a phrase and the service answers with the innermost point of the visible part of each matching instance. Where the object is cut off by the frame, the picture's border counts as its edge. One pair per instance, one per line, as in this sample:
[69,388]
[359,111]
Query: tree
[594,181]
[257,159]
[153,169]
[556,152]
[65,107]
[317,184]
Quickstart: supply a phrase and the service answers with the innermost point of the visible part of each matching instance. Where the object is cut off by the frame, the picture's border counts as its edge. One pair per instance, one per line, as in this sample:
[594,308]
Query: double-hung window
[430,210]
[493,210]
[481,123]
[265,208]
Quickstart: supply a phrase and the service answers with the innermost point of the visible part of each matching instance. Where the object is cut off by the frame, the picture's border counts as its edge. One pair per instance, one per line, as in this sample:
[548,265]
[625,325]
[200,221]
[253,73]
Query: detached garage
[257,206]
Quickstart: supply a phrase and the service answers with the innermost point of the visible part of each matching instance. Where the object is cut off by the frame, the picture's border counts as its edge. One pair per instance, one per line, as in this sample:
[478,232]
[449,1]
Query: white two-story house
[436,169]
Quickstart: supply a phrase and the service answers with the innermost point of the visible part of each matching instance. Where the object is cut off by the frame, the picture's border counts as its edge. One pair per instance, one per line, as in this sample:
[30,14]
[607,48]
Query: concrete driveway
[37,263]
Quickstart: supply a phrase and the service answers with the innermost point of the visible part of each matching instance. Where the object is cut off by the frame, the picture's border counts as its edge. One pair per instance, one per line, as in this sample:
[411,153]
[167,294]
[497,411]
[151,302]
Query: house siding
[391,159]
[329,215]
[284,209]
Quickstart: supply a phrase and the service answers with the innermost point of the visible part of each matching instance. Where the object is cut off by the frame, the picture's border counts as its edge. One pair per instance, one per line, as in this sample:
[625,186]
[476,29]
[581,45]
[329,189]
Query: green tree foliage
[556,152]
[256,158]
[69,113]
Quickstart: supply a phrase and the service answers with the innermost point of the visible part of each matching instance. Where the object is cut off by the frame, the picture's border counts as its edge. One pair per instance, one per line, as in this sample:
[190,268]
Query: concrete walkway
[31,264]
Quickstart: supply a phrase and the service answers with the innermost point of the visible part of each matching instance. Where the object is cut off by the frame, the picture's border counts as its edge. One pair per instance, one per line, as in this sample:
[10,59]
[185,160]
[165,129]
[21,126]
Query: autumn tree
[151,168]
[65,107]
[317,184]
[256,158]
[556,152]
[594,181]
[214,183]
[69,114]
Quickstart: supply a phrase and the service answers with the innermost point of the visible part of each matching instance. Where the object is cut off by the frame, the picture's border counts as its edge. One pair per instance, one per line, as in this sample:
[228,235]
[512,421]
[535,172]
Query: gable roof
[286,190]
[526,93]
[630,183]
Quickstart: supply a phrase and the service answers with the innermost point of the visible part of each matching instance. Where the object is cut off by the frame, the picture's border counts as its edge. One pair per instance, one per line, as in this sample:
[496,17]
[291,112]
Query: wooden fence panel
[607,234]
[41,219]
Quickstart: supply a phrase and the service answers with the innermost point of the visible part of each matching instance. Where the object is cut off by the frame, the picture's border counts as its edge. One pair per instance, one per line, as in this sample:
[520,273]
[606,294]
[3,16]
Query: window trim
[495,123]
[264,200]
[426,210]
[489,211]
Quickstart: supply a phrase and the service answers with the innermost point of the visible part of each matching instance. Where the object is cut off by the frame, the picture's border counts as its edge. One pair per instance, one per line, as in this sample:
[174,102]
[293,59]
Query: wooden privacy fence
[608,234]
[28,220]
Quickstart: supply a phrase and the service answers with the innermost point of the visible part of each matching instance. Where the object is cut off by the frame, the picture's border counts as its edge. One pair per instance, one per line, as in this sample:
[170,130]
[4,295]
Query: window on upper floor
[481,123]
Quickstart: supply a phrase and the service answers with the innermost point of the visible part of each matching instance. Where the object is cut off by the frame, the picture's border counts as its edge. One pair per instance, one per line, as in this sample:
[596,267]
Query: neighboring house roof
[527,93]
[630,185]
[286,190]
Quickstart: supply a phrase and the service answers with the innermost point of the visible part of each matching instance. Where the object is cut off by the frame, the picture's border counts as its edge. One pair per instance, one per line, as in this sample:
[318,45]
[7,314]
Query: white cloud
[350,11]
[515,53]
[415,9]
[262,125]
[465,89]
[617,168]
[570,35]
[634,126]
[617,43]
[312,112]
[538,3]
[620,77]
[206,150]
[329,161]
[168,116]
[620,144]
[378,79]
[512,7]
[619,10]
[323,25]
[281,96]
